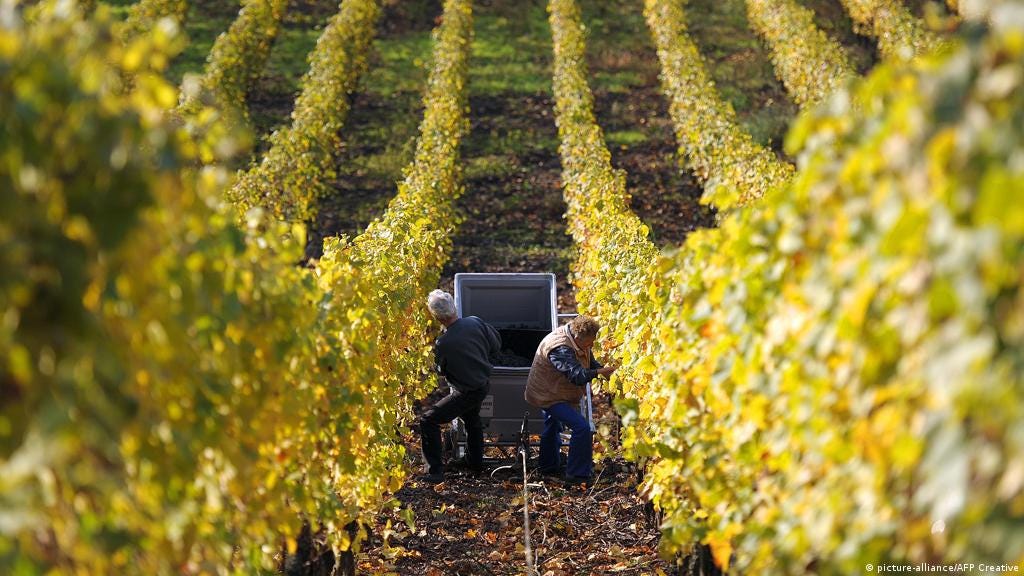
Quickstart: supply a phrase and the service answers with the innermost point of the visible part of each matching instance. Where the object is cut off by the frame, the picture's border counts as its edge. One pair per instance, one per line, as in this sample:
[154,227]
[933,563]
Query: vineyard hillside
[786,238]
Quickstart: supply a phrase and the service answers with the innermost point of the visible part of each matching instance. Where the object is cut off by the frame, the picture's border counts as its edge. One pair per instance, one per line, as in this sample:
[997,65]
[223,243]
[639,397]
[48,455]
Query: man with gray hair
[463,355]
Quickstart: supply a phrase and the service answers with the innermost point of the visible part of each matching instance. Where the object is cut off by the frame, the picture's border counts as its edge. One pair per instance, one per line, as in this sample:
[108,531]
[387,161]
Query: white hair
[441,305]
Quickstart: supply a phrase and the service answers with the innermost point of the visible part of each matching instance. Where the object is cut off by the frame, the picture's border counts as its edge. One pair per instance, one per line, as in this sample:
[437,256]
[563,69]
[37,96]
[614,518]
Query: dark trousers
[465,405]
[581,444]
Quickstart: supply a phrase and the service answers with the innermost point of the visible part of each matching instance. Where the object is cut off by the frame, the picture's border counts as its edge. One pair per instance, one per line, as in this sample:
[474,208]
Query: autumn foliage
[832,377]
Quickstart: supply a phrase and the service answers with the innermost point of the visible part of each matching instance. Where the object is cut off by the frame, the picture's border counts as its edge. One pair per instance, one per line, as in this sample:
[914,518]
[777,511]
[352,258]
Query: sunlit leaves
[809,63]
[816,384]
[178,394]
[845,374]
[297,169]
[145,15]
[900,35]
[237,58]
[376,285]
[143,333]
[615,271]
[733,167]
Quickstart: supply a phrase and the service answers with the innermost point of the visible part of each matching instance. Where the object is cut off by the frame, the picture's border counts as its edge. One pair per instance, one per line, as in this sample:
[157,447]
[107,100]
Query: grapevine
[183,334]
[400,254]
[828,381]
[299,166]
[735,170]
[809,63]
[237,58]
[617,263]
[899,34]
[145,14]
[832,375]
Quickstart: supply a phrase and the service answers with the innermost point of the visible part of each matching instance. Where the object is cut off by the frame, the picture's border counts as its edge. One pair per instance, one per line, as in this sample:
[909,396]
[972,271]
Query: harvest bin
[523,308]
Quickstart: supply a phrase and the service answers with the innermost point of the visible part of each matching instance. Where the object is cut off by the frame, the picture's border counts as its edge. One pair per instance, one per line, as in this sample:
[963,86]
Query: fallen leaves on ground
[474,526]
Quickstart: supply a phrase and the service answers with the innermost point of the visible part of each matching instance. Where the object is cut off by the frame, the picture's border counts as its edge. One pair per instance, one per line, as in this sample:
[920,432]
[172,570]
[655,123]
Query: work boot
[431,478]
[463,465]
[552,472]
[571,481]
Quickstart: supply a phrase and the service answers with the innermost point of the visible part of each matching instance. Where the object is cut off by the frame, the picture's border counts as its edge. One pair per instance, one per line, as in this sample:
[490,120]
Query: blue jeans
[581,444]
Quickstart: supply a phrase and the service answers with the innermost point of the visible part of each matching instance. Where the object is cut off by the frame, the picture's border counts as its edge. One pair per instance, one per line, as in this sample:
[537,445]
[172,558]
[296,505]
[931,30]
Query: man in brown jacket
[562,369]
